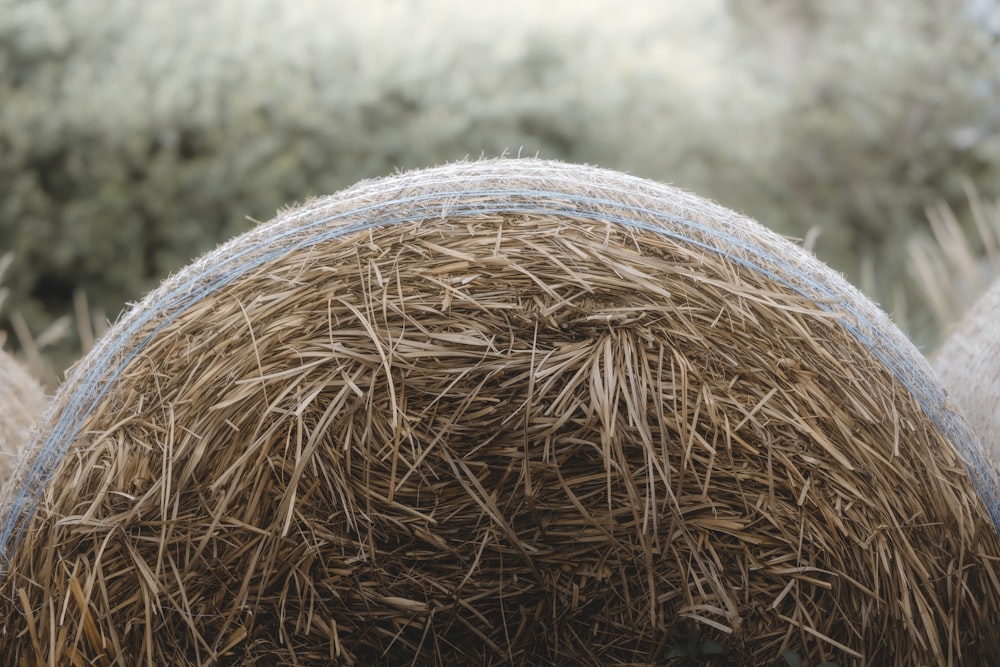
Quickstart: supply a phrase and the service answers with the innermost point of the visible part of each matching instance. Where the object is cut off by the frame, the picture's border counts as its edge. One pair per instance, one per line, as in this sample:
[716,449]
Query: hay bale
[503,412]
[968,363]
[21,403]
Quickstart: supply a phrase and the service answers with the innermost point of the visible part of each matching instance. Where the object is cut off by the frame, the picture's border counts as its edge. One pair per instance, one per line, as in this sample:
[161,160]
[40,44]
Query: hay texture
[21,403]
[502,412]
[968,363]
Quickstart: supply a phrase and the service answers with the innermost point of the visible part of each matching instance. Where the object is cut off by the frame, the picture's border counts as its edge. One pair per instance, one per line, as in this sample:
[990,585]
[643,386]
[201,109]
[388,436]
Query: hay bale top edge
[517,186]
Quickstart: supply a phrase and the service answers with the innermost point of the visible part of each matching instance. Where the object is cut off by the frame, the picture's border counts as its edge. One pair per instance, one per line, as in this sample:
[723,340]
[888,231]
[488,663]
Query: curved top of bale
[969,364]
[507,411]
[21,404]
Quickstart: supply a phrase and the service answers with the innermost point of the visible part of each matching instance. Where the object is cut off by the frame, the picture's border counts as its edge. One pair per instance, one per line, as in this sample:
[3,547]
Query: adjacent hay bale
[21,404]
[503,412]
[969,364]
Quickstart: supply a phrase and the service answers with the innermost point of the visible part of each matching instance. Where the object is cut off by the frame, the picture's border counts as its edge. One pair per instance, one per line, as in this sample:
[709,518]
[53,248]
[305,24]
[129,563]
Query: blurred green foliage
[135,136]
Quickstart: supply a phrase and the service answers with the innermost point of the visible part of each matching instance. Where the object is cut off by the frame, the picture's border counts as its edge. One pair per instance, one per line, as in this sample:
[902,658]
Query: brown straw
[504,412]
[21,404]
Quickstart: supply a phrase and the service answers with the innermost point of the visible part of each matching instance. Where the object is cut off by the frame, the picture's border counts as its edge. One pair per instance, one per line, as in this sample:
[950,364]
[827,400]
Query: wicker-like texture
[21,404]
[502,412]
[968,363]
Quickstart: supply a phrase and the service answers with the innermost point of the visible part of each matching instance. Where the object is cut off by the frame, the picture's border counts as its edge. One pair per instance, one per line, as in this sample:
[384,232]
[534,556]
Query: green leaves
[694,650]
[795,660]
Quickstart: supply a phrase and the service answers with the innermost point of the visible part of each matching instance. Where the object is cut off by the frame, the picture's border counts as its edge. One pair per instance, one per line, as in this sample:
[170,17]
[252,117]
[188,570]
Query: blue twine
[100,377]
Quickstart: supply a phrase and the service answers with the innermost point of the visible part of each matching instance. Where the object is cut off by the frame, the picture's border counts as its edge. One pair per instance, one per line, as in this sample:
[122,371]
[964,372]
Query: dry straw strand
[21,404]
[969,365]
[502,412]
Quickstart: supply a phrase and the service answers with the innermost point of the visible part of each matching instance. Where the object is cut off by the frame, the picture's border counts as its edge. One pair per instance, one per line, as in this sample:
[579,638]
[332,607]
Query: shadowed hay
[508,412]
[21,403]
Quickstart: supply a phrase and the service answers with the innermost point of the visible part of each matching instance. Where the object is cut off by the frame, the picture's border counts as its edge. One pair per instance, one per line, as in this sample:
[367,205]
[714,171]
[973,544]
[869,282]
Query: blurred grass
[135,136]
[952,266]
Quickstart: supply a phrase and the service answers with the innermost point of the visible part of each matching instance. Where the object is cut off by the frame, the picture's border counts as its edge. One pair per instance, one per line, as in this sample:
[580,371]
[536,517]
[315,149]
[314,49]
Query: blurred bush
[134,136]
[891,108]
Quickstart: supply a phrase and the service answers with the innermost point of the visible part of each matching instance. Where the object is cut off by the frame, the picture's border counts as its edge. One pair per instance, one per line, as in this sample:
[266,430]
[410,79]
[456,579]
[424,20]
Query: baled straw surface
[21,403]
[503,412]
[969,364]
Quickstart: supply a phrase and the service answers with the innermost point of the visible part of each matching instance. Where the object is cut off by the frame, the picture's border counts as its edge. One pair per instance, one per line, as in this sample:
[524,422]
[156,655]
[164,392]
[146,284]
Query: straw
[502,412]
[21,404]
[969,365]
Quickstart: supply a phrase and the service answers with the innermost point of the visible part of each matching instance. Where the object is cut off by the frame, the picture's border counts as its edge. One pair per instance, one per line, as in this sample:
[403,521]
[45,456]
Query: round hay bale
[21,403]
[502,412]
[969,364]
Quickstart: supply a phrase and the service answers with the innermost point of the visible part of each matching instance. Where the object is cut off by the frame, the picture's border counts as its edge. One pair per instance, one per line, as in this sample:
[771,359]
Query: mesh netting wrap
[21,402]
[502,412]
